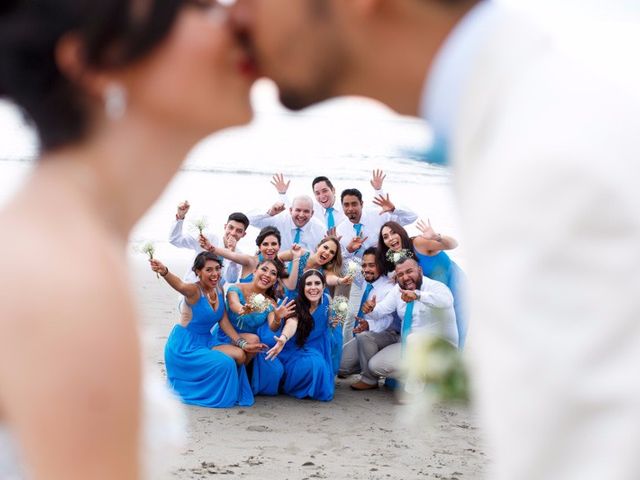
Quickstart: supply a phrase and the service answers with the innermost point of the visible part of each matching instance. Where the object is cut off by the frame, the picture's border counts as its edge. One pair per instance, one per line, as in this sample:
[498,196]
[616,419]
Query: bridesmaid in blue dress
[268,243]
[328,259]
[428,250]
[202,370]
[304,347]
[248,317]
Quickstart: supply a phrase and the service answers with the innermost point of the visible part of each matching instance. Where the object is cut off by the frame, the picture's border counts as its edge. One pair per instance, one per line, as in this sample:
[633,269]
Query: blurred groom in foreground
[545,151]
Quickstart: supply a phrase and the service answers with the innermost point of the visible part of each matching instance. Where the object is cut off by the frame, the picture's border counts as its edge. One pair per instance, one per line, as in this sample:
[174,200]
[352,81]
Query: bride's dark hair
[113,33]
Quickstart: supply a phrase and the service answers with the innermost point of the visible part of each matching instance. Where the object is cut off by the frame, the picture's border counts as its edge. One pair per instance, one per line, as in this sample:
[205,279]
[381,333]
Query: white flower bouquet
[259,303]
[395,257]
[200,224]
[148,249]
[339,309]
[353,268]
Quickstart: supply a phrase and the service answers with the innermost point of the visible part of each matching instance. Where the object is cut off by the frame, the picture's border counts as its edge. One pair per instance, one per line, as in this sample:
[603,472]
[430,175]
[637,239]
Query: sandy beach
[359,435]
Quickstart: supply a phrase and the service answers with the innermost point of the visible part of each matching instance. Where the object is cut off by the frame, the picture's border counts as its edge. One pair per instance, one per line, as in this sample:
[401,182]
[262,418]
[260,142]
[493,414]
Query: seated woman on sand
[201,369]
[304,347]
[328,259]
[428,249]
[252,309]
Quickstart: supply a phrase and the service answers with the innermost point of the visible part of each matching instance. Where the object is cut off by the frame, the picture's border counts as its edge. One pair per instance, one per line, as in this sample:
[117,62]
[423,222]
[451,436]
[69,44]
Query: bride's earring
[115,101]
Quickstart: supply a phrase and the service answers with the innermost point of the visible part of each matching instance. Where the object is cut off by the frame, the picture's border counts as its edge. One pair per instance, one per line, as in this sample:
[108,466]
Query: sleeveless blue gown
[199,375]
[266,374]
[308,371]
[336,333]
[249,278]
[441,268]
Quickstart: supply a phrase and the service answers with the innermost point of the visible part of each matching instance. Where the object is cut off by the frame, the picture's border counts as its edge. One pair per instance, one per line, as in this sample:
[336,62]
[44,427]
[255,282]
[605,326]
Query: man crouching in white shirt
[380,331]
[431,312]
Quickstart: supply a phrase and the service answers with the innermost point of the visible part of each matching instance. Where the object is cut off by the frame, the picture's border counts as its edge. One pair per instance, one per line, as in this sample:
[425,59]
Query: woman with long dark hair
[429,251]
[118,91]
[306,355]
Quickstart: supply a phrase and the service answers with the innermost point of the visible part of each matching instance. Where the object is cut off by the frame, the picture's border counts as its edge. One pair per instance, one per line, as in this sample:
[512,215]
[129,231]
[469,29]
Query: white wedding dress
[163,434]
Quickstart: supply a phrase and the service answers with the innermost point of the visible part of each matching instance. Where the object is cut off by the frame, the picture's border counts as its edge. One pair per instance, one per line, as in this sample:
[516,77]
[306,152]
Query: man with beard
[359,231]
[379,332]
[422,304]
[297,226]
[545,146]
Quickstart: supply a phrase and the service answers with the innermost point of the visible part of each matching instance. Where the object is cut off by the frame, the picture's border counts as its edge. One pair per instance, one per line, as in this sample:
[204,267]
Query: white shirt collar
[444,84]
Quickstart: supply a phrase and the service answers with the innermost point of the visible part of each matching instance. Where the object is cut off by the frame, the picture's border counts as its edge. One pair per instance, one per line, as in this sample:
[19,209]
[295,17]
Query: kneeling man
[422,304]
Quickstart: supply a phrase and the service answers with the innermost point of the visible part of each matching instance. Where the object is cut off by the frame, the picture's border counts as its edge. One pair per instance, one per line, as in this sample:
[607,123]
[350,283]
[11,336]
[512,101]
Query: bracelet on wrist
[166,271]
[285,336]
[241,342]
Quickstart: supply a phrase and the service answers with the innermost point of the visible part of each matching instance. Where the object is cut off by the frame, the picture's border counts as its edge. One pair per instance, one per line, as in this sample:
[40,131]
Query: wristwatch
[417,292]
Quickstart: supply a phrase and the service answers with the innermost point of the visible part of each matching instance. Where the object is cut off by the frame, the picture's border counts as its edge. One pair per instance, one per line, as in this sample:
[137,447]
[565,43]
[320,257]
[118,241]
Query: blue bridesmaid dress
[336,333]
[308,369]
[249,278]
[199,375]
[441,268]
[266,374]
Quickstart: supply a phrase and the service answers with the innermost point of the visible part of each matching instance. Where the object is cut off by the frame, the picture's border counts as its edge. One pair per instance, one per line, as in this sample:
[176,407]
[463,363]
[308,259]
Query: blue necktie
[406,322]
[358,228]
[296,239]
[365,295]
[331,222]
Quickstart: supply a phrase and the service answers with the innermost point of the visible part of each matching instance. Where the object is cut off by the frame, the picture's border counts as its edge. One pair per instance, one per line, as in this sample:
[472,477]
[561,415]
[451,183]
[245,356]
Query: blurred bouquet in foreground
[339,309]
[434,370]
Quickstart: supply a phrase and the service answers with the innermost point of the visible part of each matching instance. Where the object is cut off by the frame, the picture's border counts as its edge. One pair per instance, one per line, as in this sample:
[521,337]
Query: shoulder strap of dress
[238,290]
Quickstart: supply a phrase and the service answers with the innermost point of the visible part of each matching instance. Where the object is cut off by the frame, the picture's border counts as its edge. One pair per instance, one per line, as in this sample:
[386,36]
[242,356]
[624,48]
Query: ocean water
[230,171]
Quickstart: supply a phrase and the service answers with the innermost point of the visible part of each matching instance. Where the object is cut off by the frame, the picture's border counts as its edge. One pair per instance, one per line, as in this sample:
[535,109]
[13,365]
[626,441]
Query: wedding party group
[542,137]
[333,287]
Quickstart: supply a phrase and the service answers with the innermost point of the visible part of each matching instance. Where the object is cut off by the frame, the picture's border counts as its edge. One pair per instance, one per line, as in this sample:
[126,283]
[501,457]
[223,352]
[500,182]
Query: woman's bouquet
[259,303]
[148,249]
[395,257]
[200,224]
[353,269]
[339,309]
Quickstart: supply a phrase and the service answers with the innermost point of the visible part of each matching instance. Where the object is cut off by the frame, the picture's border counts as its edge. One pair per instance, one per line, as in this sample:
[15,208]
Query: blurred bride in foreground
[118,92]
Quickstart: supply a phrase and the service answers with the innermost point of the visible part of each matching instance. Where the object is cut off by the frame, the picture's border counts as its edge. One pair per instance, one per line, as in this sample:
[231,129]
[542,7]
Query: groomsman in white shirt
[422,304]
[380,329]
[297,225]
[234,230]
[360,231]
[362,226]
[325,208]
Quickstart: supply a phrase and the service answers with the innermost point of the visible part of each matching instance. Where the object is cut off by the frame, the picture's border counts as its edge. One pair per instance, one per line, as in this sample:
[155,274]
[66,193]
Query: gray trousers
[379,354]
[350,362]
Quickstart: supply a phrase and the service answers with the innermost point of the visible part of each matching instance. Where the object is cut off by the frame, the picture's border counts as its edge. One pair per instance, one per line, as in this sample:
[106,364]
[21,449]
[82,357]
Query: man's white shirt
[371,221]
[381,289]
[311,234]
[432,313]
[177,238]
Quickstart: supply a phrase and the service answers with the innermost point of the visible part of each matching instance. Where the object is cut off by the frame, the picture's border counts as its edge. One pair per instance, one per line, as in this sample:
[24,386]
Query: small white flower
[200,224]
[397,256]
